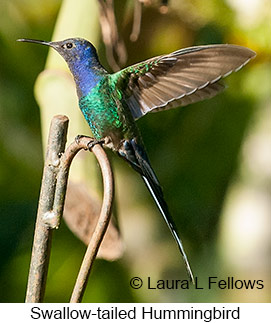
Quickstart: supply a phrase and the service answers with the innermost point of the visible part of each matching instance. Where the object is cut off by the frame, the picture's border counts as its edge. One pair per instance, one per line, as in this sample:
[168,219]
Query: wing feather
[180,78]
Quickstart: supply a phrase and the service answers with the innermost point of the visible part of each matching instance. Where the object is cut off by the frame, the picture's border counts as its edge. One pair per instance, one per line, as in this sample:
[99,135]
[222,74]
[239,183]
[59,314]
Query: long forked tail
[137,157]
[163,208]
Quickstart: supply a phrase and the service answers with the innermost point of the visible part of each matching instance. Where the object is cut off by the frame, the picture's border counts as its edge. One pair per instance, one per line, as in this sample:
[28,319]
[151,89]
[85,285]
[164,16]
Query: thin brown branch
[137,21]
[113,42]
[42,238]
[54,217]
[101,226]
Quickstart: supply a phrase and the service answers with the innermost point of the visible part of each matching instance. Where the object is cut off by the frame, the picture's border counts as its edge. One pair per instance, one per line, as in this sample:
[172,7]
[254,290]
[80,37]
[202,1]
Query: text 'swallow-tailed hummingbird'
[111,103]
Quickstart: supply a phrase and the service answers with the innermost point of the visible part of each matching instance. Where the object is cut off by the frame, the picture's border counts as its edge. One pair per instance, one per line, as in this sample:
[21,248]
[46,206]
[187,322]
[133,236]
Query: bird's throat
[85,77]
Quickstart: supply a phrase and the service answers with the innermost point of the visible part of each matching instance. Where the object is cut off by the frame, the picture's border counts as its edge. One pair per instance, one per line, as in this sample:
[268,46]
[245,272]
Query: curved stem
[101,226]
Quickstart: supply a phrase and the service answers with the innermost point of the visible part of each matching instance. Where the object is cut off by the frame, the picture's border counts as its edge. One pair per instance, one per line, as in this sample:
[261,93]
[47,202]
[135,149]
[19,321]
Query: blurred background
[213,159]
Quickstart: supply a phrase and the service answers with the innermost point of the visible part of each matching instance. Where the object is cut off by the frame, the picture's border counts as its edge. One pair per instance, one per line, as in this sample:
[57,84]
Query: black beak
[41,42]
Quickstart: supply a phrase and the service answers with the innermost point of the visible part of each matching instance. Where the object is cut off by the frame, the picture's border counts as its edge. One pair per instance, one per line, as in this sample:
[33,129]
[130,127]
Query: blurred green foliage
[194,151]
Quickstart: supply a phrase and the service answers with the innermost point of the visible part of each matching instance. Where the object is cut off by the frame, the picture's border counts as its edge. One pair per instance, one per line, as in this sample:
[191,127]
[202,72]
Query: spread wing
[180,78]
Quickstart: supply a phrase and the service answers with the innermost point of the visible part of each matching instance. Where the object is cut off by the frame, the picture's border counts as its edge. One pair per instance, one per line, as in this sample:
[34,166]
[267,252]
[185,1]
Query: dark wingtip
[253,53]
[249,52]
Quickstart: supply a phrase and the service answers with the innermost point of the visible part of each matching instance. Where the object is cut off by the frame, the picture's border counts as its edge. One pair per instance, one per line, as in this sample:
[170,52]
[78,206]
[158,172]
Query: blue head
[82,59]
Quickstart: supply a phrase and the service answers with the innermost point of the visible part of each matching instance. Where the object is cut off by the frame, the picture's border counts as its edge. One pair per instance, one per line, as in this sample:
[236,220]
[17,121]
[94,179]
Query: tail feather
[163,208]
[138,159]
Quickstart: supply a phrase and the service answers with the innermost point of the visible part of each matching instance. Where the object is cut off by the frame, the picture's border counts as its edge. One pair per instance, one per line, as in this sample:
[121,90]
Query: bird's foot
[91,141]
[94,142]
[78,137]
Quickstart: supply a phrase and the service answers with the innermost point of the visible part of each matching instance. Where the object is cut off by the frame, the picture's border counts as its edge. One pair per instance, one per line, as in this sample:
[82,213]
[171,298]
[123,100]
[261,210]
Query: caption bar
[162,312]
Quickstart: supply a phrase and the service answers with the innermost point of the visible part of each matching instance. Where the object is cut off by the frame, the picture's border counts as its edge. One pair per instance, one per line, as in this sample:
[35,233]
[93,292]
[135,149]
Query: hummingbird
[111,103]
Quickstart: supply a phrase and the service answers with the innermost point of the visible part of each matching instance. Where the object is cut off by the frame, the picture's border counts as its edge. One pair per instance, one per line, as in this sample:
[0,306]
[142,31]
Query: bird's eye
[68,46]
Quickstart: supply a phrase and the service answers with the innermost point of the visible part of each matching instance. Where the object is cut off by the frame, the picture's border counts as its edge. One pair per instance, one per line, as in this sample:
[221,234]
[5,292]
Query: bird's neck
[87,73]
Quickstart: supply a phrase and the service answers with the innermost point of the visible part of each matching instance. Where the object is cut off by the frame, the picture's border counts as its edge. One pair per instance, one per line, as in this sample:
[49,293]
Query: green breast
[100,109]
